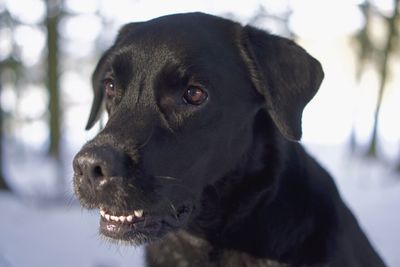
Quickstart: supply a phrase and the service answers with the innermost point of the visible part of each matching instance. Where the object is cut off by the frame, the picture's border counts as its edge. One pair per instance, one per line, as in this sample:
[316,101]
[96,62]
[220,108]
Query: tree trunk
[52,20]
[398,166]
[3,184]
[372,150]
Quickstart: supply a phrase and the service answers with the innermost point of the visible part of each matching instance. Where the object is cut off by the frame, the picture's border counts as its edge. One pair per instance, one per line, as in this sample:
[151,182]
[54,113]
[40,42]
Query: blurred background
[48,50]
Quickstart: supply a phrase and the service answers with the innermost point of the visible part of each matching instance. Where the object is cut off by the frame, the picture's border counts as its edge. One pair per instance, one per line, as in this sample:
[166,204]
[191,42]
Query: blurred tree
[52,21]
[3,184]
[20,75]
[368,51]
[10,62]
[262,17]
[364,53]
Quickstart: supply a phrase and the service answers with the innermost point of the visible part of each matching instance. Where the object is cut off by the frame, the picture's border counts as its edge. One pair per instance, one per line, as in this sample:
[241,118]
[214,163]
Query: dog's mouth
[140,226]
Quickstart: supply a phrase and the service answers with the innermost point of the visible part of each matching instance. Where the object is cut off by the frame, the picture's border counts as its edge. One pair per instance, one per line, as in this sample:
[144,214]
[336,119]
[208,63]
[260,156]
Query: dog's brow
[122,66]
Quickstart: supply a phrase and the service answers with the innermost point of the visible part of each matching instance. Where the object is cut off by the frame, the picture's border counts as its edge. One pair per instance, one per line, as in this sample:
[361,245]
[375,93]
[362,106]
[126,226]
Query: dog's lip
[127,226]
[129,231]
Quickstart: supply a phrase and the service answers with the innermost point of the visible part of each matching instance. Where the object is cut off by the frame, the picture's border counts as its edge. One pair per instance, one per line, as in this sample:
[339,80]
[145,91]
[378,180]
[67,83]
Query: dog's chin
[141,227]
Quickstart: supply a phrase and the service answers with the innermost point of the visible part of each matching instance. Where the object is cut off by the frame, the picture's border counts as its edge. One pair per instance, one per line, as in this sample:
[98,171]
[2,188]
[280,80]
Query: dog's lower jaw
[141,227]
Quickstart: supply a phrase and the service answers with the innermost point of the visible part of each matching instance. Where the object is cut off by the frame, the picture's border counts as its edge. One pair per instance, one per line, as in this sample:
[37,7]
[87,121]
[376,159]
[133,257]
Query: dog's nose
[96,165]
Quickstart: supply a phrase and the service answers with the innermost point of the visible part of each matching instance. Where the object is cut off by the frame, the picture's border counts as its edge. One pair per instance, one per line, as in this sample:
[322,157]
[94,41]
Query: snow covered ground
[62,236]
[46,233]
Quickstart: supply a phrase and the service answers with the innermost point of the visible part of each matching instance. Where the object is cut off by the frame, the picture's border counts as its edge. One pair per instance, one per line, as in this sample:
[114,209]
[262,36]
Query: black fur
[224,182]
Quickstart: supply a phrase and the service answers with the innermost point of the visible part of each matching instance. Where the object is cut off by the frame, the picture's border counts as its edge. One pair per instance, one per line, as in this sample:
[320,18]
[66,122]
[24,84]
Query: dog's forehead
[180,35]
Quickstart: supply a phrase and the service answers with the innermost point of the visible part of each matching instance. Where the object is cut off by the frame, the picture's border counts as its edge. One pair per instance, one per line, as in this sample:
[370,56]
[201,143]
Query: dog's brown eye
[195,95]
[109,87]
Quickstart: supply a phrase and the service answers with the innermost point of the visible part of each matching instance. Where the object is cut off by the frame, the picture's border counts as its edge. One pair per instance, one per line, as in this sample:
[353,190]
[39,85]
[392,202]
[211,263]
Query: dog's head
[182,93]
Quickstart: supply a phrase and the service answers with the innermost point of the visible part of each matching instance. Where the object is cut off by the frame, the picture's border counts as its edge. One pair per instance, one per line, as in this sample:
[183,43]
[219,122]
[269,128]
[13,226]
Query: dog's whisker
[173,209]
[70,201]
[140,146]
[166,177]
[171,180]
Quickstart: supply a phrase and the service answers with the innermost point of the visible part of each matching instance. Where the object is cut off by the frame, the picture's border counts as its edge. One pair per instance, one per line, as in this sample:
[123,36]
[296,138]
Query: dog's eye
[109,88]
[195,95]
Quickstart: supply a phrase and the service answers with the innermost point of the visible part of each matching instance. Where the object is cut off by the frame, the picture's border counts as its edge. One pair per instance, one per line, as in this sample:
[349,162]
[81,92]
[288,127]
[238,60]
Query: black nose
[96,165]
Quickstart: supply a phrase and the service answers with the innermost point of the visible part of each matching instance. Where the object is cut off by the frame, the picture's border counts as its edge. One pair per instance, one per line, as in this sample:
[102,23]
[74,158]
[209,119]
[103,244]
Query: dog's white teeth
[114,218]
[122,218]
[138,213]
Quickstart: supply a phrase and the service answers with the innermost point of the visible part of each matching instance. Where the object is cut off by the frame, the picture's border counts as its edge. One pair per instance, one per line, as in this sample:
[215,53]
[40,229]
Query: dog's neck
[268,198]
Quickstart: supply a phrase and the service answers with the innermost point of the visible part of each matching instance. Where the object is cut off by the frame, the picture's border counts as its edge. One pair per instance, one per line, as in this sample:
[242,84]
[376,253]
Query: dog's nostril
[97,172]
[89,167]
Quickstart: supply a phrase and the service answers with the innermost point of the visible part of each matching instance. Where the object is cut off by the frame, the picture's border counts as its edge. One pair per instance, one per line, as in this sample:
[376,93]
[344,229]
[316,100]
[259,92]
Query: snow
[40,230]
[33,235]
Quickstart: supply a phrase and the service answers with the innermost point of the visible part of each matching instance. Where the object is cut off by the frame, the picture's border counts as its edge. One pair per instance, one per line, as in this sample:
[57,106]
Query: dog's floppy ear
[98,75]
[284,73]
[98,91]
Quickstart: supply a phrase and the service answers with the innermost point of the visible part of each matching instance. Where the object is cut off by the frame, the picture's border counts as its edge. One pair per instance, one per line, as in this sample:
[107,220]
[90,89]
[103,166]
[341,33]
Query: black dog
[199,157]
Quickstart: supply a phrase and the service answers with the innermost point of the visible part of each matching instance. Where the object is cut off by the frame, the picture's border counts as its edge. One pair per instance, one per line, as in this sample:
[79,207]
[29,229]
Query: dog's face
[182,92]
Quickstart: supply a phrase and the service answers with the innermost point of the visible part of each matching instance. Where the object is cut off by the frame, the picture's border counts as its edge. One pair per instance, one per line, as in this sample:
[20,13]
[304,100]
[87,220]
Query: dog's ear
[284,73]
[99,72]
[98,90]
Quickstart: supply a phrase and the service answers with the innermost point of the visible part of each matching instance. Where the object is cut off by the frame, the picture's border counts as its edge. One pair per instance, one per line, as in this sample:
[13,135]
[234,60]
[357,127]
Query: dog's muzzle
[107,179]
